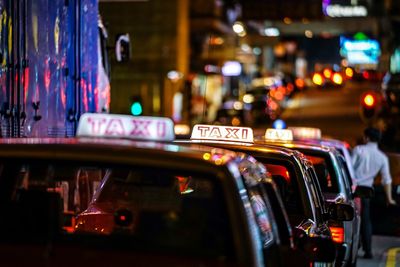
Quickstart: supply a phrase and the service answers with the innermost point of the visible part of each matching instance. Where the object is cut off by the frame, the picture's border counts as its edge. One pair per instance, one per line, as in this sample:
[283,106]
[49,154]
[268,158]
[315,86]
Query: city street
[207,133]
[336,111]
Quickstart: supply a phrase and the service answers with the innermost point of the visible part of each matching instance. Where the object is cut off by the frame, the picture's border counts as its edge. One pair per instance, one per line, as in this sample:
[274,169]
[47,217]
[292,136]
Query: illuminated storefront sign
[343,8]
[360,51]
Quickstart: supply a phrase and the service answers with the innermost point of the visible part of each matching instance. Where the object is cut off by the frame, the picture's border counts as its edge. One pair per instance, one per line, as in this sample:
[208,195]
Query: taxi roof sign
[278,134]
[306,132]
[182,129]
[222,133]
[126,126]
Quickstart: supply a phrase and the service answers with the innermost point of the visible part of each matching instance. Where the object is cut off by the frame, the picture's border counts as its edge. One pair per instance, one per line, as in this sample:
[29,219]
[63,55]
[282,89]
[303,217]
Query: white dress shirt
[368,161]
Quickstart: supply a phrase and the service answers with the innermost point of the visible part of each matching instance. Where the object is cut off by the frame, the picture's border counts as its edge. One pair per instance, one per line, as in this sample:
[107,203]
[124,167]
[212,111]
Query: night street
[200,133]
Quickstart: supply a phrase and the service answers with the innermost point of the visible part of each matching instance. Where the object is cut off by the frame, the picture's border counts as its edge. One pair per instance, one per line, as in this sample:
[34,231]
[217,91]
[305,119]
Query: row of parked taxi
[127,192]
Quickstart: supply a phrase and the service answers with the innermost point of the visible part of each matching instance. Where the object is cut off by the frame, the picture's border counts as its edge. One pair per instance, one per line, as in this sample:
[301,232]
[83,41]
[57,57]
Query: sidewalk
[384,252]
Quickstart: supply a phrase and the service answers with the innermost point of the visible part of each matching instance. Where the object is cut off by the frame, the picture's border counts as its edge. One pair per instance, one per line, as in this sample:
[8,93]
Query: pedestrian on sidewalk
[369,161]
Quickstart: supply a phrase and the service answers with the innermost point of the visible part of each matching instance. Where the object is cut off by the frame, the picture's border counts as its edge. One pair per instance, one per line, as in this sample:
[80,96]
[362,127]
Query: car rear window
[160,209]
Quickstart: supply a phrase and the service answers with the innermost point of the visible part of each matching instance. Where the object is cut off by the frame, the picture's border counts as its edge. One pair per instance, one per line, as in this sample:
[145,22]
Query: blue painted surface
[62,81]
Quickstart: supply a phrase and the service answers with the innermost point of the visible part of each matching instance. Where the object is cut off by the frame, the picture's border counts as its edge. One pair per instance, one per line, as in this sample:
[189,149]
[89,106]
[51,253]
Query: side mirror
[340,212]
[316,248]
[363,191]
[122,48]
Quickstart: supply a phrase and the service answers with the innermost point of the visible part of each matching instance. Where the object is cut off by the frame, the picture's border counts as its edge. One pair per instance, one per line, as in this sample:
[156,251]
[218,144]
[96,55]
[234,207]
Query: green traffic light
[136,109]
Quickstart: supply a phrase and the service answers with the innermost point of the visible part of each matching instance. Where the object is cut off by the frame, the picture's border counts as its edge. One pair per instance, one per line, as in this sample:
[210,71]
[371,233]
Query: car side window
[346,175]
[285,177]
[262,216]
[316,193]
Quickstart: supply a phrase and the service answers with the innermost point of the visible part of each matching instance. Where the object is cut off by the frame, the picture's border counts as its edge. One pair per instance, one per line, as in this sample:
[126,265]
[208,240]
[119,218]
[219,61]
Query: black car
[301,194]
[335,182]
[102,200]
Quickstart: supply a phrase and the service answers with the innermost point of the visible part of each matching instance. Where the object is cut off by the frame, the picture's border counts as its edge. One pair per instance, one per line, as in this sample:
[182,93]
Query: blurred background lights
[174,75]
[271,31]
[248,98]
[257,51]
[231,68]
[238,28]
[279,124]
[308,34]
[245,48]
[287,20]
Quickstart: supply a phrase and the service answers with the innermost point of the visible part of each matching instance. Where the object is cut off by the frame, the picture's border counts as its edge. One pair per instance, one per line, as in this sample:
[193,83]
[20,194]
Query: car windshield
[160,209]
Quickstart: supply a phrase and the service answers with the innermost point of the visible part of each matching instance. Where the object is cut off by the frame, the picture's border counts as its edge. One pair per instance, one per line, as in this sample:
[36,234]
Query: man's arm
[388,192]
[387,182]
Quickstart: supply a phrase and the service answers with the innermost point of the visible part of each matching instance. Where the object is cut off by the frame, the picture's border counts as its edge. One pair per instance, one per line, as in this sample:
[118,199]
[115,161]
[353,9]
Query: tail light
[300,83]
[337,234]
[317,79]
[337,78]
[369,100]
[349,72]
[327,73]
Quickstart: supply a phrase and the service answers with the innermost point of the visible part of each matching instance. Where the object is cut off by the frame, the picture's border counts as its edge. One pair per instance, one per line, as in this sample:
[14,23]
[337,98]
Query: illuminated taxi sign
[126,126]
[278,134]
[182,129]
[305,132]
[222,133]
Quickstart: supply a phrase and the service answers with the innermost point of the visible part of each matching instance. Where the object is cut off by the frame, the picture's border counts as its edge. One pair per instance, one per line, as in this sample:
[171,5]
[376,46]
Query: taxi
[291,172]
[122,194]
[314,135]
[335,182]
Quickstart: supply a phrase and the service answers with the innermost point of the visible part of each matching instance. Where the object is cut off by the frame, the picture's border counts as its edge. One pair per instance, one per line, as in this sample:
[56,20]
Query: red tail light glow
[300,83]
[366,75]
[337,234]
[369,100]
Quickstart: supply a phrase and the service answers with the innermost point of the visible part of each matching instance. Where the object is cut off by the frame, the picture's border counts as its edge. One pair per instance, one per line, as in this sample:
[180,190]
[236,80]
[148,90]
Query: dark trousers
[366,225]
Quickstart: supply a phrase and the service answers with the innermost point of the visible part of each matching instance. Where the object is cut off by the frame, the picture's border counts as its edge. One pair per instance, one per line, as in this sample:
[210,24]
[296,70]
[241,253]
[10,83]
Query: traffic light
[136,107]
[369,105]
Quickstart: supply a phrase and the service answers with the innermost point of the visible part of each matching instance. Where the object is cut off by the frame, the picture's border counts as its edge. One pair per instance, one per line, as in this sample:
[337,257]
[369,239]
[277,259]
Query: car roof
[298,144]
[255,147]
[101,149]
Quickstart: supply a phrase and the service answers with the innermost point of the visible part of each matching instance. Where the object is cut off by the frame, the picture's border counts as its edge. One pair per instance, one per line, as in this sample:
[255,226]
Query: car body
[100,200]
[335,181]
[308,215]
[314,136]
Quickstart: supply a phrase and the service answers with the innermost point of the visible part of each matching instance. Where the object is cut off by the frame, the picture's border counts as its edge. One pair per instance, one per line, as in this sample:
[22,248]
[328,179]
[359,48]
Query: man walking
[369,161]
